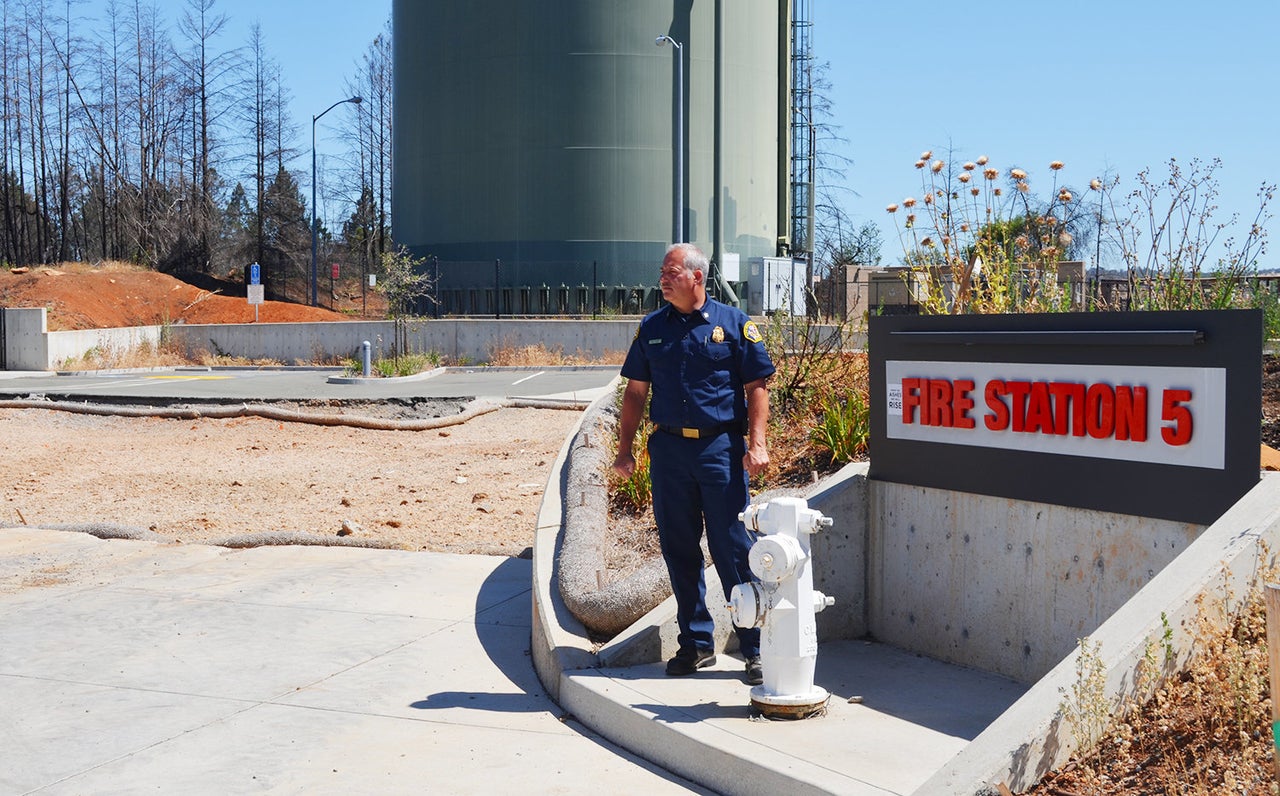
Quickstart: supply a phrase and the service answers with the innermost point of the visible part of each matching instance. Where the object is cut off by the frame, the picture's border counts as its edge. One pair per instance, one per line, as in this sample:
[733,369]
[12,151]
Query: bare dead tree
[209,73]
[368,229]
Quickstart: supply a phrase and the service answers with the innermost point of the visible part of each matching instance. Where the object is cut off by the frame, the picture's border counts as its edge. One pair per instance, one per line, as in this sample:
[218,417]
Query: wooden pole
[1272,592]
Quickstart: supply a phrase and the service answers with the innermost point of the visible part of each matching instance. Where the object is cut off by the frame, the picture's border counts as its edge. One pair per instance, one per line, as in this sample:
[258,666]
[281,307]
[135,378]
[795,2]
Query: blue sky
[1106,87]
[318,44]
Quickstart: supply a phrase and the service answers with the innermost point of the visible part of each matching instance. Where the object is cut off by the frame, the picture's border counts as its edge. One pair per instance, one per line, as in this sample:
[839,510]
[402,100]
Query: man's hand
[756,460]
[624,464]
[633,398]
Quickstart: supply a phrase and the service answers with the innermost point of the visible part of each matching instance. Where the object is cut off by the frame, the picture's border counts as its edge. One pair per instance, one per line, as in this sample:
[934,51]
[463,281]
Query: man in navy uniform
[708,368]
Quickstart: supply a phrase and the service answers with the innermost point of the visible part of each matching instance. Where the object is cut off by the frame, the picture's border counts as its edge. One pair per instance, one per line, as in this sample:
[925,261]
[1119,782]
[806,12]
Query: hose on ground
[474,410]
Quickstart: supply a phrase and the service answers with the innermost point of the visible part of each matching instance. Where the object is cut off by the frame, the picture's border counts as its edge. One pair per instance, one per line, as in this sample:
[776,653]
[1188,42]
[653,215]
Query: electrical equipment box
[775,285]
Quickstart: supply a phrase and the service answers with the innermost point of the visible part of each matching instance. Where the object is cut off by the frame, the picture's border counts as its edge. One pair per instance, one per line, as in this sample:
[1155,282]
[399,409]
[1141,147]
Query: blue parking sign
[255,274]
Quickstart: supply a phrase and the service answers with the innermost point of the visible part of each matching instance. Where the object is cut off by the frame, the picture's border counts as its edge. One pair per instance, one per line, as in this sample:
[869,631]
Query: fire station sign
[1155,414]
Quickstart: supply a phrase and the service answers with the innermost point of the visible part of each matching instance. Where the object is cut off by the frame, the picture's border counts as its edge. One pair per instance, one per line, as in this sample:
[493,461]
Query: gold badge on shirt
[717,335]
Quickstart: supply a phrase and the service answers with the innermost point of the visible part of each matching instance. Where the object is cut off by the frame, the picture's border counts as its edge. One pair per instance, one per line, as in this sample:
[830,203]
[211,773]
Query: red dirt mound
[80,297]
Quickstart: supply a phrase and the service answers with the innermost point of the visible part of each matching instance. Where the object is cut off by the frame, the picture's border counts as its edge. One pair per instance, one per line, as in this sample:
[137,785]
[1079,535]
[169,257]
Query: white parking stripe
[526,378]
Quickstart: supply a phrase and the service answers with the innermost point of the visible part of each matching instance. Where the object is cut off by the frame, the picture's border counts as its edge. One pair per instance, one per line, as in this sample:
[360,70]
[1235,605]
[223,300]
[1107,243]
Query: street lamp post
[678,225]
[314,228]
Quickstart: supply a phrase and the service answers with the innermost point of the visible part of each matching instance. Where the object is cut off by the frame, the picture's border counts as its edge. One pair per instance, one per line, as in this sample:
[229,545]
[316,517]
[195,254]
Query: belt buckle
[689,433]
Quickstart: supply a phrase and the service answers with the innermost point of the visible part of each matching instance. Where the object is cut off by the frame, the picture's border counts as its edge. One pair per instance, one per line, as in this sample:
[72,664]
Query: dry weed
[508,355]
[1206,730]
[145,355]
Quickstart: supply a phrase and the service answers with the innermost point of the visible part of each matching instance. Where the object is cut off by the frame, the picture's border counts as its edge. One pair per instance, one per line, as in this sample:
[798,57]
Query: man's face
[678,285]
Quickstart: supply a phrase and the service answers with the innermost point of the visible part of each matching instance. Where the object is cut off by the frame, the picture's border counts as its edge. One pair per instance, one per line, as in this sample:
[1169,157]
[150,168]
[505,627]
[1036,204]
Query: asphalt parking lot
[580,384]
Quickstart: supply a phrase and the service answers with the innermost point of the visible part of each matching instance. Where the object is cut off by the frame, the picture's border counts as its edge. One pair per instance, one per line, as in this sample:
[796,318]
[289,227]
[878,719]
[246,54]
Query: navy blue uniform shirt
[696,364]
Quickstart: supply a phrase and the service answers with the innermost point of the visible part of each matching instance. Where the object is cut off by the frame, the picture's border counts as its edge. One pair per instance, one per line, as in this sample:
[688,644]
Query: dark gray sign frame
[1229,339]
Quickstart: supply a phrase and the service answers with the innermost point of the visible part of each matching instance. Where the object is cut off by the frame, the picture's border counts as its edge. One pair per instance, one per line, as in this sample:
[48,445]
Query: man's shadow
[502,626]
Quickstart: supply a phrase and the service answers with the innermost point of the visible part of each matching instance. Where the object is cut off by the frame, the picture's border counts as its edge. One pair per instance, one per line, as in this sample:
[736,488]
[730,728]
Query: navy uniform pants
[701,483]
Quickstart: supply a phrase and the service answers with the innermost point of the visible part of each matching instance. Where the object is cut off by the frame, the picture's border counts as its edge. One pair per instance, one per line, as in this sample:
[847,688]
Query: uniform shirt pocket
[710,370]
[716,352]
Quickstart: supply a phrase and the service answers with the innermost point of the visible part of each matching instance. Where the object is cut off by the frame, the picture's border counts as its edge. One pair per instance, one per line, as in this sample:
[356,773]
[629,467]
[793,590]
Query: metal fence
[495,289]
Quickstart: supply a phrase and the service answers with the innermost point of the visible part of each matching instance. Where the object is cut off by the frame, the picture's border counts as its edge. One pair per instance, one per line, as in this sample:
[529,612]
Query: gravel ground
[469,488]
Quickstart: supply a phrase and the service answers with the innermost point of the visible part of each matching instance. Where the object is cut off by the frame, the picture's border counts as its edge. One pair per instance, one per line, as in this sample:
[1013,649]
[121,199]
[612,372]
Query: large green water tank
[541,133]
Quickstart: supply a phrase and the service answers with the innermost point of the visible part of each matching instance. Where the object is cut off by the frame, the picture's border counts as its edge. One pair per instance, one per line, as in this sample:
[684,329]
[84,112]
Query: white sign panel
[255,293]
[1160,415]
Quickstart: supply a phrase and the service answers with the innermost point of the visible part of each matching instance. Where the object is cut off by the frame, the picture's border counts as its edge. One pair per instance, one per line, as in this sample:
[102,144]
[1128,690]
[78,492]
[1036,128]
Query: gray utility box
[775,285]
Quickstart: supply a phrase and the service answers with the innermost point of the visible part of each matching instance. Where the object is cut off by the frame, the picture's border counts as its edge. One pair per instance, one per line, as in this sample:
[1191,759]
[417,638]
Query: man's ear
[699,277]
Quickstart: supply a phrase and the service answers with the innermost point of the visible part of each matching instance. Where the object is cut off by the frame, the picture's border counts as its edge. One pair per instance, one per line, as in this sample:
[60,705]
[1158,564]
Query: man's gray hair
[694,259]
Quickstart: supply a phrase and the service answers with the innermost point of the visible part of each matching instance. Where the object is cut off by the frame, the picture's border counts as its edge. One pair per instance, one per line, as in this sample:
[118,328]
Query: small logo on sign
[895,398]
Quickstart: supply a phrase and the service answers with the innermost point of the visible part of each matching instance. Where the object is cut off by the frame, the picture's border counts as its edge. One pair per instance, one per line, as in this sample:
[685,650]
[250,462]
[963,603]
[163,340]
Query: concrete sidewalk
[134,666]
[894,718]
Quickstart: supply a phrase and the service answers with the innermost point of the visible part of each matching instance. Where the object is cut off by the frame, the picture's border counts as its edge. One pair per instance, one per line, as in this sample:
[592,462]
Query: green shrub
[844,428]
[404,365]
[635,494]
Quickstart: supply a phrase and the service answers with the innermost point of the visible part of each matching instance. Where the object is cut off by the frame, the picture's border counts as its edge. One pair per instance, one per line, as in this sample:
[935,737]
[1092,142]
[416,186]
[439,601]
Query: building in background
[533,145]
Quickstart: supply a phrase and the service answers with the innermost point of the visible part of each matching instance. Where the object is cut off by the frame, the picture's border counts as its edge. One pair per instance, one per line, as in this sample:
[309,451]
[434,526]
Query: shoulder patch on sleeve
[637,334]
[750,332]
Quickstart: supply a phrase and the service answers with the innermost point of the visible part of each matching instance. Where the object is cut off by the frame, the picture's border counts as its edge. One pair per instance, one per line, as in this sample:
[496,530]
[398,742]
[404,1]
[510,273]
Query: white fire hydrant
[783,604]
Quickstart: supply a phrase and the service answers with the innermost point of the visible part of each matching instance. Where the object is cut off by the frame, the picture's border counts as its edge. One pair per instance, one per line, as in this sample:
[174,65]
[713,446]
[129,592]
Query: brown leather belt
[699,433]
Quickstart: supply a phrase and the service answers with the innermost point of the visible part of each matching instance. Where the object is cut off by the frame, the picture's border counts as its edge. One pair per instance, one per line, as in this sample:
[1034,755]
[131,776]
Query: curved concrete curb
[423,376]
[560,642]
[568,664]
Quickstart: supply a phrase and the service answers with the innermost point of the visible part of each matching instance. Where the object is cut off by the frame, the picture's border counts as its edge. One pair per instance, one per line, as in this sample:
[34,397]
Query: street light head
[356,100]
[661,40]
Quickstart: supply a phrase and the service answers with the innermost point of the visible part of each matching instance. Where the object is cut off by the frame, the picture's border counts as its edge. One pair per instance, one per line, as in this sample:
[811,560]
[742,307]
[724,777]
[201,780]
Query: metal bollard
[366,358]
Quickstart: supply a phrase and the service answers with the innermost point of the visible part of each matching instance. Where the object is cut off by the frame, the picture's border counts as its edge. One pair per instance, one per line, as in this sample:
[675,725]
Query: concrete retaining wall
[26,341]
[1032,738]
[30,346]
[1002,585]
[990,583]
[458,340]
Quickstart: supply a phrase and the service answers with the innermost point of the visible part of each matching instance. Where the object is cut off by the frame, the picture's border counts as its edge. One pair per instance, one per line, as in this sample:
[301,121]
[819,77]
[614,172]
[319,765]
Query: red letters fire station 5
[1143,413]
[1099,410]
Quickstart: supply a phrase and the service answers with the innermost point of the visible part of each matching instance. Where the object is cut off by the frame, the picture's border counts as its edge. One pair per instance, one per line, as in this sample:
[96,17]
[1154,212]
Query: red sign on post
[335,271]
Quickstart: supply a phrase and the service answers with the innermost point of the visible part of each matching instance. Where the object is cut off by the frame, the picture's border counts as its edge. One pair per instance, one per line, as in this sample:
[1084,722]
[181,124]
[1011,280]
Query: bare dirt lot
[469,488]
